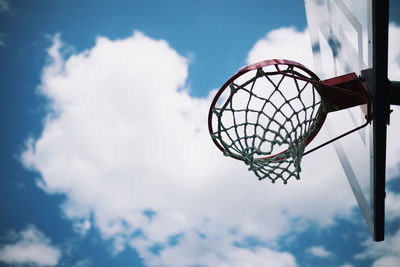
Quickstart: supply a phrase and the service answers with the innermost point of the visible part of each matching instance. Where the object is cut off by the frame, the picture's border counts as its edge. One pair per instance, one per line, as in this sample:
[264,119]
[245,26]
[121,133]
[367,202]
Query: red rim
[322,115]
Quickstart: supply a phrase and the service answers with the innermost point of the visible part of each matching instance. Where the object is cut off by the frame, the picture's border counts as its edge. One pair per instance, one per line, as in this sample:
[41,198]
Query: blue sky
[106,159]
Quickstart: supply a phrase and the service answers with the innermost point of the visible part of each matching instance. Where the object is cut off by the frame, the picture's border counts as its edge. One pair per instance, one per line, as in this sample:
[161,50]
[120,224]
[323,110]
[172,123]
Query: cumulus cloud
[392,211]
[124,137]
[394,52]
[387,261]
[202,251]
[283,43]
[319,251]
[128,146]
[30,246]
[384,253]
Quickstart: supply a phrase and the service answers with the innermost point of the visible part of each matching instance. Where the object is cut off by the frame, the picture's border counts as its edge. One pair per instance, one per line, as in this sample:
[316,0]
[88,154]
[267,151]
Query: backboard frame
[326,27]
[381,111]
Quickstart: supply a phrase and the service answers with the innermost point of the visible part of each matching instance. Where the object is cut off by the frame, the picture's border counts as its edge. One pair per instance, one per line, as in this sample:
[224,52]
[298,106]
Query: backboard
[352,36]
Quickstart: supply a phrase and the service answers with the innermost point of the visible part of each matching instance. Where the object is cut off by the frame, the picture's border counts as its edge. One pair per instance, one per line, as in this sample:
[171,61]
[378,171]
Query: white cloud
[392,210]
[124,139]
[385,253]
[217,252]
[319,251]
[283,43]
[394,52]
[30,246]
[387,261]
[129,138]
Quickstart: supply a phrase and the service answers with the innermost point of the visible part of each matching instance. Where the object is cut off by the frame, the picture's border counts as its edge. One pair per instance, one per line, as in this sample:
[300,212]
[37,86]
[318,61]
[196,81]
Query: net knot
[267,118]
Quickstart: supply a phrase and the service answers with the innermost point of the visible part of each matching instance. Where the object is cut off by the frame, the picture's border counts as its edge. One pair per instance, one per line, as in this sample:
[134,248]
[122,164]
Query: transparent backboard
[342,37]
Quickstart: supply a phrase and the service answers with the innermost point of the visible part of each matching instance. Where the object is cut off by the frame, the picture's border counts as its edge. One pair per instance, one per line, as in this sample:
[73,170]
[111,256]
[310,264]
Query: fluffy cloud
[219,252]
[394,52]
[128,146]
[30,246]
[319,251]
[385,253]
[285,43]
[392,206]
[387,261]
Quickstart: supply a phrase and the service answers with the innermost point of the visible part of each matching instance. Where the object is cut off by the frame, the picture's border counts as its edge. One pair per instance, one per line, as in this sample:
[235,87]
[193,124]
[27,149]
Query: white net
[266,117]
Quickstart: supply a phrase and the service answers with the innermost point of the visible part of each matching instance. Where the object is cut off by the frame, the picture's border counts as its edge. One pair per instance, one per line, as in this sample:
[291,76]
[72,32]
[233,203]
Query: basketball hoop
[267,113]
